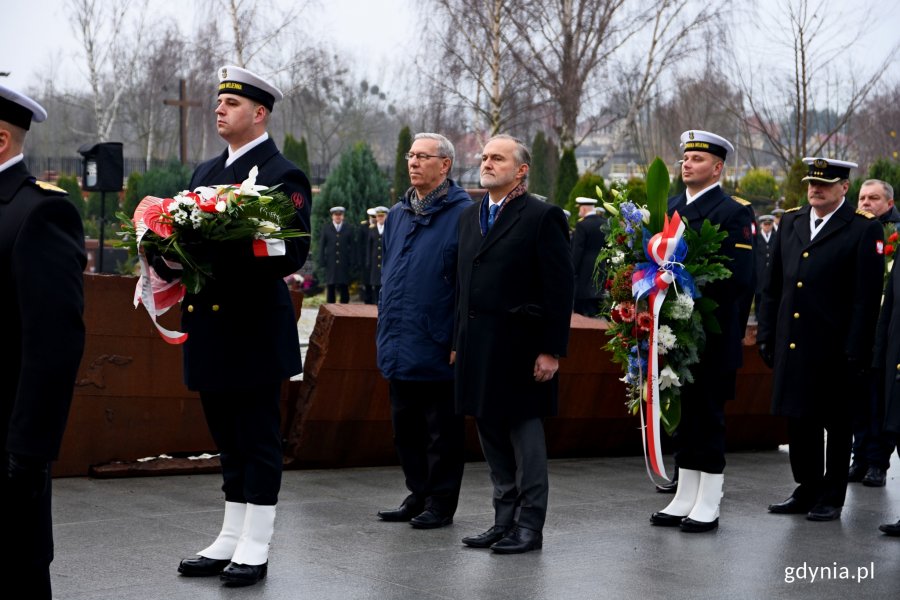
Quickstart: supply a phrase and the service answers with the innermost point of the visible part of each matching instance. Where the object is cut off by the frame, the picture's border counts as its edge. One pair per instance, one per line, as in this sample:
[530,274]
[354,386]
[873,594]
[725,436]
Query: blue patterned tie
[495,208]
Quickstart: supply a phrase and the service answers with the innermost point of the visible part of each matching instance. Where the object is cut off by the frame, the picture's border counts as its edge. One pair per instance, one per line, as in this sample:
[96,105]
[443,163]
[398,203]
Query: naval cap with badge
[241,82]
[695,140]
[337,209]
[828,170]
[382,210]
[18,109]
[583,200]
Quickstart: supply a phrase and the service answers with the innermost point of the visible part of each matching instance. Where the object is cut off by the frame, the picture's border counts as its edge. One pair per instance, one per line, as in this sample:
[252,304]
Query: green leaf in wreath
[657,194]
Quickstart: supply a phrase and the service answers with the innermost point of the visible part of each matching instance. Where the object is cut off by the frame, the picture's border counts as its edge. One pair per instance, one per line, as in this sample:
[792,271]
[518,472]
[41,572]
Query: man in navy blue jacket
[414,337]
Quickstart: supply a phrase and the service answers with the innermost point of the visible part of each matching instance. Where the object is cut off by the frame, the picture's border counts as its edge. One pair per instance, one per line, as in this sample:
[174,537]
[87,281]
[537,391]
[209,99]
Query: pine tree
[586,186]
[538,183]
[401,172]
[566,178]
[303,158]
[357,183]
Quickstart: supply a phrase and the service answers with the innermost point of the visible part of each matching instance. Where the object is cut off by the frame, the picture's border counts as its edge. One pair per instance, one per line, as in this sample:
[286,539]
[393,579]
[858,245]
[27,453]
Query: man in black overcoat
[872,446]
[42,259]
[699,439]
[242,336]
[515,290]
[587,242]
[336,255]
[887,367]
[817,327]
[762,248]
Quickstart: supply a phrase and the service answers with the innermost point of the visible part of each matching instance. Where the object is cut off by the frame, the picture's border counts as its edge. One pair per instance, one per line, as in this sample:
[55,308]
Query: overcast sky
[38,38]
[37,35]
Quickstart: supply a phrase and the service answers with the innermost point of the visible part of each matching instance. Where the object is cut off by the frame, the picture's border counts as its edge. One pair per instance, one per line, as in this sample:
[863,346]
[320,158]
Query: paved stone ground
[122,539]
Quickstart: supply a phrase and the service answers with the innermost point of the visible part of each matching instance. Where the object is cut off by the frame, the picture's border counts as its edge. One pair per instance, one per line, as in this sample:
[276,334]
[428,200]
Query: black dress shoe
[892,529]
[519,540]
[665,520]
[824,512]
[856,473]
[406,512]
[791,506]
[236,575]
[431,519]
[875,477]
[200,566]
[488,538]
[689,525]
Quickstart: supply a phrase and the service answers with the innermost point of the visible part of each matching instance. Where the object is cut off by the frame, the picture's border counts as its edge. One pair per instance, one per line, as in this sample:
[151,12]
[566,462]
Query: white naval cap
[703,141]
[370,212]
[18,109]
[382,210]
[828,170]
[337,209]
[235,80]
[585,200]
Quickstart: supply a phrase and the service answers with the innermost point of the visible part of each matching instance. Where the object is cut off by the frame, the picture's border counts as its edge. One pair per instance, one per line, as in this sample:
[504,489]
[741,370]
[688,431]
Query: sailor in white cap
[700,438]
[587,242]
[336,249]
[817,330]
[245,312]
[43,257]
[375,251]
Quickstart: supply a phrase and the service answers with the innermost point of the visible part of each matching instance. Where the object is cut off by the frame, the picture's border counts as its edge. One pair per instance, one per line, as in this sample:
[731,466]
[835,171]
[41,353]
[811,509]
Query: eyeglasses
[421,156]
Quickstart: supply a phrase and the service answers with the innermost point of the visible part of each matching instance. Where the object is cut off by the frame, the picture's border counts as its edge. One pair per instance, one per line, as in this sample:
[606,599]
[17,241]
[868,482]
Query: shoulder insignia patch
[792,209]
[741,201]
[49,187]
[865,213]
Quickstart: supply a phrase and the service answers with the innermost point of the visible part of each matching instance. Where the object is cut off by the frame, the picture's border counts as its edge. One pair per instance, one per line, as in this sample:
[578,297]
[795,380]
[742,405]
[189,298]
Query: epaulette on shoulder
[865,213]
[741,201]
[792,209]
[49,187]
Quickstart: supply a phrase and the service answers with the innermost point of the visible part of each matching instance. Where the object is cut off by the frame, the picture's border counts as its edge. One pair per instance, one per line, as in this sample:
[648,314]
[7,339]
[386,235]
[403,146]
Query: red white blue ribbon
[652,280]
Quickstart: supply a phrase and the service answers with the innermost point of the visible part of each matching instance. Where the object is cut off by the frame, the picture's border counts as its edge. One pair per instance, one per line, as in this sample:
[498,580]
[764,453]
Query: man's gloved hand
[767,354]
[29,476]
[159,265]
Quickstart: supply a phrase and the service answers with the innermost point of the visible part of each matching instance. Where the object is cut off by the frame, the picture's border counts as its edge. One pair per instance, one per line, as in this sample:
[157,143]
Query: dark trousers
[516,453]
[245,424]
[699,440]
[820,469]
[872,447]
[28,538]
[430,440]
[342,288]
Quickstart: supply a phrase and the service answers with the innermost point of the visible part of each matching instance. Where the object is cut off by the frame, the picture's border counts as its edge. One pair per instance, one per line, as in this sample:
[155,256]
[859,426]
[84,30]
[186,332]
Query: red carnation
[889,250]
[893,238]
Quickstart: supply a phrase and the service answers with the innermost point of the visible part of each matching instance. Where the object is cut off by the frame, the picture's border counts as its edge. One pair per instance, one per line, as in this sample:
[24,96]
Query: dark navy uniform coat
[820,307]
[241,327]
[42,259]
[587,242]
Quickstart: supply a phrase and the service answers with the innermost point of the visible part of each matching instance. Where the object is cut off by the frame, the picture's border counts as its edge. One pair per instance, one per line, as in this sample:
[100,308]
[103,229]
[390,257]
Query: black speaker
[103,167]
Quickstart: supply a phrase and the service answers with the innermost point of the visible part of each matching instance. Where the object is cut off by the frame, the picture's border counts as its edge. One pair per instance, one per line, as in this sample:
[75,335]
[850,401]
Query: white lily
[267,227]
[668,378]
[220,206]
[599,191]
[646,215]
[611,209]
[249,187]
[206,193]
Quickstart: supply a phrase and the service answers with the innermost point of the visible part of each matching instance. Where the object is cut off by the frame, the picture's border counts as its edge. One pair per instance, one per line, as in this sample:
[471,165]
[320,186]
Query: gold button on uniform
[190,308]
[898,367]
[793,346]
[806,255]
[215,307]
[796,315]
[799,284]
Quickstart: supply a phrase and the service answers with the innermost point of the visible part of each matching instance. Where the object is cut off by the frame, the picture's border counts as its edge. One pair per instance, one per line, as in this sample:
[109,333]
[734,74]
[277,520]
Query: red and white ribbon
[269,247]
[156,294]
